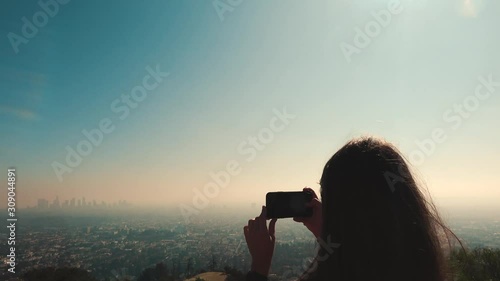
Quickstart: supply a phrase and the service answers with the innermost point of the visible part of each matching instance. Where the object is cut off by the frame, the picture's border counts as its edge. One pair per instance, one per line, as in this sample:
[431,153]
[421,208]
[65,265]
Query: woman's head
[373,208]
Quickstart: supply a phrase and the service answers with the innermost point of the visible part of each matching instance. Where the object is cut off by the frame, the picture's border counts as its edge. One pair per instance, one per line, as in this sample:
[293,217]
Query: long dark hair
[377,223]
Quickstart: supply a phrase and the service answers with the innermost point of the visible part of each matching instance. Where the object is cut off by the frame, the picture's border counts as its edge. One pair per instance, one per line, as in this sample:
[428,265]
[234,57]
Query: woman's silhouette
[374,222]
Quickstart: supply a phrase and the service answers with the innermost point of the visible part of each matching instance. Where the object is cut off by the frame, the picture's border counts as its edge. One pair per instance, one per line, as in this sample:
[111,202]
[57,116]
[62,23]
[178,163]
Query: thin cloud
[24,114]
[22,76]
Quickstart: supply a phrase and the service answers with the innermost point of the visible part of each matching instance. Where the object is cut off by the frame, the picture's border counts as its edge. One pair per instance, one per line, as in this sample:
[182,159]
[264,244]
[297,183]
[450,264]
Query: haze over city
[218,80]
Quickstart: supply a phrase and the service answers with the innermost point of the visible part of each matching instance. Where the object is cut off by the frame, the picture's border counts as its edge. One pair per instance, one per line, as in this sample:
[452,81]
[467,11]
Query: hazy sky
[231,68]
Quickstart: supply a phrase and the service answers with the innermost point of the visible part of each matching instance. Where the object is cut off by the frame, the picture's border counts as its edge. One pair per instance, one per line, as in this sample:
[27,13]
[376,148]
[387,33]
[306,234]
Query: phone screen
[288,204]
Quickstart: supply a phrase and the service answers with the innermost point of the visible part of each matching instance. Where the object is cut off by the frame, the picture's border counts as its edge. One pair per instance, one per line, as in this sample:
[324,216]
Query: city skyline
[77,203]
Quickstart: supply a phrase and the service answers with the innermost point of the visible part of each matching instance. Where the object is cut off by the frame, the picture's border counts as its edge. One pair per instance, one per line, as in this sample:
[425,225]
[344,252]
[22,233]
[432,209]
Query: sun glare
[469,9]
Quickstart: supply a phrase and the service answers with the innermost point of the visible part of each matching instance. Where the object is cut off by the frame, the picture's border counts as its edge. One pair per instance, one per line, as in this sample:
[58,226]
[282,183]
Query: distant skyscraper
[56,204]
[72,204]
[79,204]
[43,204]
[83,202]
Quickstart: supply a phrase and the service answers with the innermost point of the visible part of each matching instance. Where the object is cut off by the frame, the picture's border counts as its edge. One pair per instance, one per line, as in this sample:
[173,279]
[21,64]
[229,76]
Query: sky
[257,93]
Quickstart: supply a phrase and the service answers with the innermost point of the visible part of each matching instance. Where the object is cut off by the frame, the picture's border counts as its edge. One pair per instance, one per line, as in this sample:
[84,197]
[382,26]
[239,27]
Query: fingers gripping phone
[288,204]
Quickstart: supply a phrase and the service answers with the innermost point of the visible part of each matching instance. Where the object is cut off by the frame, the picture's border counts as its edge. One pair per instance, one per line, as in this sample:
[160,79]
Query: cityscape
[125,239]
[43,204]
[128,241]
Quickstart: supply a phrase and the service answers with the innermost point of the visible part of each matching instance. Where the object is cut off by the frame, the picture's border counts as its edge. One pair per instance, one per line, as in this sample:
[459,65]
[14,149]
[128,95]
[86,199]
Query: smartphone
[288,204]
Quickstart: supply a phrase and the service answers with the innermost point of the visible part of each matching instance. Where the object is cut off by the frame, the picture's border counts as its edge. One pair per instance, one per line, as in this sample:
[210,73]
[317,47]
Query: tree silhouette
[189,266]
[156,273]
[234,274]
[476,265]
[176,268]
[213,264]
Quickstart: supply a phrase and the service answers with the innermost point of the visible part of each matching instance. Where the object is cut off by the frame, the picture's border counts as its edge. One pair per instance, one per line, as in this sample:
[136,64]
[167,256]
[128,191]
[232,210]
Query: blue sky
[226,77]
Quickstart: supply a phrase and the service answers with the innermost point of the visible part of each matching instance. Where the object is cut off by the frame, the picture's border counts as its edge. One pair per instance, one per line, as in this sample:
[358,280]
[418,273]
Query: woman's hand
[314,222]
[260,242]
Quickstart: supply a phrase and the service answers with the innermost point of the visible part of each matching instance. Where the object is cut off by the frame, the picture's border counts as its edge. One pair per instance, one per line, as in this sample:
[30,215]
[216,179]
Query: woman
[373,212]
